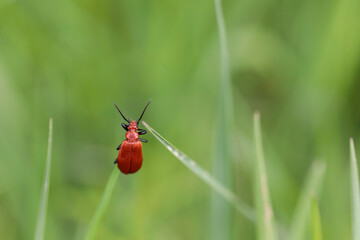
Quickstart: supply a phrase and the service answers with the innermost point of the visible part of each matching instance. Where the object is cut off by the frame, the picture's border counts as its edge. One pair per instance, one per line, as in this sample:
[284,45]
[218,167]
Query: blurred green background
[298,62]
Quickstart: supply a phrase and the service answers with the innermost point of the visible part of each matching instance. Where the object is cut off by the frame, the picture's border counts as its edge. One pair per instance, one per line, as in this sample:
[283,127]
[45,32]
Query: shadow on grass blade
[266,224]
[41,219]
[234,200]
[355,192]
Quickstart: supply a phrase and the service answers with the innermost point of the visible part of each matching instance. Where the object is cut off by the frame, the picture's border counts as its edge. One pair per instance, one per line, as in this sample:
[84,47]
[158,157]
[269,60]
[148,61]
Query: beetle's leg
[115,162]
[118,148]
[143,140]
[142,132]
[125,126]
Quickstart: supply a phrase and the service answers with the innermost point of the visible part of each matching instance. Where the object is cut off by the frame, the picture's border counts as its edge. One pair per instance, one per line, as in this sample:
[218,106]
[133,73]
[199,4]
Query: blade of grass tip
[103,205]
[228,195]
[355,192]
[266,225]
[226,94]
[316,220]
[312,186]
[225,68]
[41,218]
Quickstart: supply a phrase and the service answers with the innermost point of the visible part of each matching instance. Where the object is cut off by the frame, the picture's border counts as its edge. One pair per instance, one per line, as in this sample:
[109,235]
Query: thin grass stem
[266,225]
[316,220]
[355,192]
[41,218]
[204,175]
[222,163]
[312,186]
[103,205]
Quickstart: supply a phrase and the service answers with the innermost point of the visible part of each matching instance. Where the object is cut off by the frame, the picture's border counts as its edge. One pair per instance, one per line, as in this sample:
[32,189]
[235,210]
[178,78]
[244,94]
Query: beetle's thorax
[131,134]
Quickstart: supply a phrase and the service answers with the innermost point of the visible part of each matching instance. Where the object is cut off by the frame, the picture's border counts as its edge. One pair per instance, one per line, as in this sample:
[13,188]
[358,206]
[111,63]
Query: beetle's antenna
[121,113]
[143,111]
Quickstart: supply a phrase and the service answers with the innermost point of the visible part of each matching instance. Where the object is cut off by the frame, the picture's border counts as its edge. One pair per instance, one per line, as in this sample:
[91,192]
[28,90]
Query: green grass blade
[103,205]
[266,225]
[226,94]
[222,163]
[316,220]
[41,218]
[312,185]
[355,192]
[228,195]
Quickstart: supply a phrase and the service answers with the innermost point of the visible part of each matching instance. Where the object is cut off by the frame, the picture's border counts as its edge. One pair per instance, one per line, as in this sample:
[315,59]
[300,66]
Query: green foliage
[297,62]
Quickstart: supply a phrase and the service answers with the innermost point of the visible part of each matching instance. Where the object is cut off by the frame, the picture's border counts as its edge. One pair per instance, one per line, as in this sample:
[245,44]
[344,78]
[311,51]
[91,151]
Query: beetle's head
[133,125]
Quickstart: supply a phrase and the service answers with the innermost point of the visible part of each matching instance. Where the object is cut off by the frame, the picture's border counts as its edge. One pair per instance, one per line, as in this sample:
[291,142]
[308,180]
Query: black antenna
[121,113]
[143,111]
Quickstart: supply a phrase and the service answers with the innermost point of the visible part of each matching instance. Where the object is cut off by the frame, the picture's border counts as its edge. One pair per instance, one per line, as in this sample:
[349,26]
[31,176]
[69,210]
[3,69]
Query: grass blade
[266,225]
[312,186]
[103,205]
[355,192]
[222,164]
[41,219]
[228,195]
[316,220]
[226,94]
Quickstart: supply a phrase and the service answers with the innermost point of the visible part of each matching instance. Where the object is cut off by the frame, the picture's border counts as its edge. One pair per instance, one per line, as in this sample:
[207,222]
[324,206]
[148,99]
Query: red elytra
[130,155]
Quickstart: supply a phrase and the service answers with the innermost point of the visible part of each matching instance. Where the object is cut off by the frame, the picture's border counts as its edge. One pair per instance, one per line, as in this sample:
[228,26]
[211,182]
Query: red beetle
[130,156]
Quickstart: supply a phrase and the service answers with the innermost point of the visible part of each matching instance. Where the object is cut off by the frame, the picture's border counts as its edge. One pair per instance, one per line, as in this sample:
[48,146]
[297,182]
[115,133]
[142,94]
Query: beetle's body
[130,156]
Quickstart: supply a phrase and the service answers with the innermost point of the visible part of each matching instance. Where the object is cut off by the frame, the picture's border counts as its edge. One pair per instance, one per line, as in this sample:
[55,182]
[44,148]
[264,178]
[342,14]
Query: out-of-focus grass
[355,192]
[103,205]
[312,185]
[295,61]
[316,220]
[266,228]
[222,163]
[41,218]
